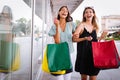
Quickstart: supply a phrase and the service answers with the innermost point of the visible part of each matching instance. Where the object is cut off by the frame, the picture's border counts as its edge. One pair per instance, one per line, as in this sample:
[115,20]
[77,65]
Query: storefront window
[22,38]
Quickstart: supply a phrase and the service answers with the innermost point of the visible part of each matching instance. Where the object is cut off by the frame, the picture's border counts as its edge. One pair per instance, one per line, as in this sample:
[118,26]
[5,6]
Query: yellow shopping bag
[16,62]
[45,65]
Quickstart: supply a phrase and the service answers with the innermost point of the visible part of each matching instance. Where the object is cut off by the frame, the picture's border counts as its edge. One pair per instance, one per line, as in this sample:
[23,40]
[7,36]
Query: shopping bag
[45,65]
[105,55]
[58,57]
[9,56]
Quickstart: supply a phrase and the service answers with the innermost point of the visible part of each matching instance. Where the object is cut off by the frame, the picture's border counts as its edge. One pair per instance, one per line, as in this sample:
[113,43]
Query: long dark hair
[68,18]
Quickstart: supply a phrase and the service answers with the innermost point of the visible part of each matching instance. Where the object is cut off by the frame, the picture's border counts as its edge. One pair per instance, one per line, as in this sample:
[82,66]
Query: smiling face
[63,13]
[89,14]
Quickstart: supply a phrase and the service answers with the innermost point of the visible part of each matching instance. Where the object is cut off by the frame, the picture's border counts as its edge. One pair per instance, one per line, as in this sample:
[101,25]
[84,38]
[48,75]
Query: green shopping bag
[45,65]
[58,57]
[9,56]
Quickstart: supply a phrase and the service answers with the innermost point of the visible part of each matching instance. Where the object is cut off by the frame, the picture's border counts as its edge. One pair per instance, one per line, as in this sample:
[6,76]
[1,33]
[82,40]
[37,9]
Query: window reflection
[15,37]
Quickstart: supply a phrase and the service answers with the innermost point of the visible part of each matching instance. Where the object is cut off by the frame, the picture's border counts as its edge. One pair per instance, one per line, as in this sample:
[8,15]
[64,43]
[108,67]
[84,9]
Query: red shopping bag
[105,55]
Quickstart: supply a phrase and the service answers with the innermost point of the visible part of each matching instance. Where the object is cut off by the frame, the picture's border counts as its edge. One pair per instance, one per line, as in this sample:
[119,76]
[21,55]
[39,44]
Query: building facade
[111,22]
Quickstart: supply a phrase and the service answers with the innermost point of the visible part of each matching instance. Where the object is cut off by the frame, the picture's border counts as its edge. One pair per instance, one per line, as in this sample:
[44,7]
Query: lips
[89,16]
[64,14]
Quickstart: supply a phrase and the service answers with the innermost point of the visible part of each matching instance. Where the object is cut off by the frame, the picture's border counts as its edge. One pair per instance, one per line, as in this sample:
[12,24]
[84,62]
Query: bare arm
[79,31]
[75,39]
[57,35]
[103,35]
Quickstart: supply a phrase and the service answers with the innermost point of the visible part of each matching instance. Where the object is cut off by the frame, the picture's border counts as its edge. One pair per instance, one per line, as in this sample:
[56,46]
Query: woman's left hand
[89,38]
[103,35]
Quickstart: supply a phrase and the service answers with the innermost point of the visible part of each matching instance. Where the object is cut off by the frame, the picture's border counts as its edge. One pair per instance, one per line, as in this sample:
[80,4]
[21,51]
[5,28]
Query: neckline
[64,28]
[88,31]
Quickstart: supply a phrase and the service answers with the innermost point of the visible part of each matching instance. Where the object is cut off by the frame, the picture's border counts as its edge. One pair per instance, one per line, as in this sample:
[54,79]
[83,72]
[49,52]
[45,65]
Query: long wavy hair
[68,18]
[94,20]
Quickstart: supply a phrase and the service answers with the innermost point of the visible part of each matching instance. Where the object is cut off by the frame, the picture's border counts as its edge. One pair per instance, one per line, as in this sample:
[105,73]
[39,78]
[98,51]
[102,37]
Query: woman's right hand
[56,22]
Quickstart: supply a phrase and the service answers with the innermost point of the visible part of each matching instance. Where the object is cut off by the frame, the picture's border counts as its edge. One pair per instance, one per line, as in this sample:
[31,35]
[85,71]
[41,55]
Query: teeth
[64,15]
[89,16]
